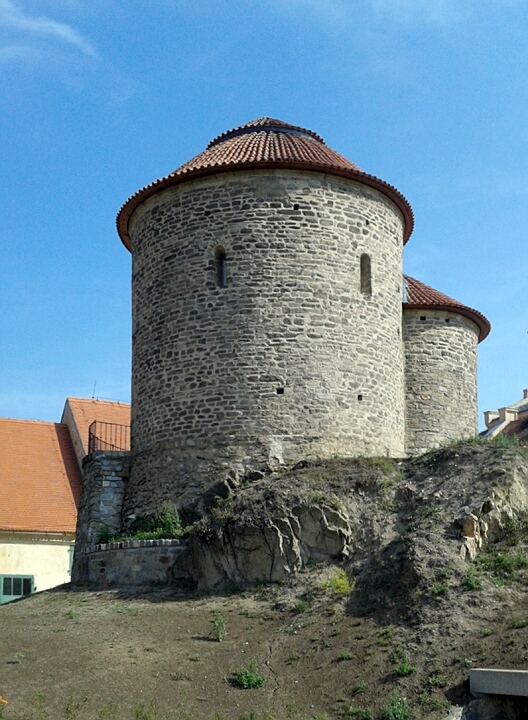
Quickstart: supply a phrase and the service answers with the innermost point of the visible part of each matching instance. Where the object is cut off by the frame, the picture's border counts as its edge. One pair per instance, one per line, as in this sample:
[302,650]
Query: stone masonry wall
[291,360]
[441,378]
[132,563]
[105,475]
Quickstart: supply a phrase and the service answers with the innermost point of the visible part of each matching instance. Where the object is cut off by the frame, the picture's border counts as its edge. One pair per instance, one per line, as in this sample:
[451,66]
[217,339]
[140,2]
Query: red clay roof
[86,411]
[40,481]
[265,143]
[421,296]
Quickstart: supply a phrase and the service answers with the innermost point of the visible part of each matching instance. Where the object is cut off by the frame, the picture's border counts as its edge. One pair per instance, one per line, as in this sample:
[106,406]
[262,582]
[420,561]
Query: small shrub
[345,655]
[397,708]
[218,630]
[248,677]
[339,584]
[438,588]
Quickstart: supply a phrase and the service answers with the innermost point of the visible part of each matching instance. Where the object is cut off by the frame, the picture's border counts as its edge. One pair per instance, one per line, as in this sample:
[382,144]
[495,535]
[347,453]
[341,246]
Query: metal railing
[108,436]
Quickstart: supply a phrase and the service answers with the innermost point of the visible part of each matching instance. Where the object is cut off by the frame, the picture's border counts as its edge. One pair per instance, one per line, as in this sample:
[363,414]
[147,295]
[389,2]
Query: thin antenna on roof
[93,394]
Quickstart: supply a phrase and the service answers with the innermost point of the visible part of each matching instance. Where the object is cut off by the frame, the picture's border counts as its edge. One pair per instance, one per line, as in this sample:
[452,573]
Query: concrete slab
[498,682]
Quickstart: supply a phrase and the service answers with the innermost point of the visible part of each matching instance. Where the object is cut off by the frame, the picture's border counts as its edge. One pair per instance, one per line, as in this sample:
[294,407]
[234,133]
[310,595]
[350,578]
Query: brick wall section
[105,475]
[441,378]
[208,361]
[134,562]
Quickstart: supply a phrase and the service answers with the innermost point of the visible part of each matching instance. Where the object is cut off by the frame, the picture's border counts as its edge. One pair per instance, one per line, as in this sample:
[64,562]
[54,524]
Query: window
[15,586]
[365,274]
[221,267]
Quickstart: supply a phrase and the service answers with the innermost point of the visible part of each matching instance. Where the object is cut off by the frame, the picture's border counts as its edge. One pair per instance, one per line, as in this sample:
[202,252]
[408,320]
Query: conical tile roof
[263,144]
[418,296]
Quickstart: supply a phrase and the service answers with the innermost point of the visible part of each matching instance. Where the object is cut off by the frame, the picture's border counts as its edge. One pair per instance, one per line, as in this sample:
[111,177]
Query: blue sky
[100,97]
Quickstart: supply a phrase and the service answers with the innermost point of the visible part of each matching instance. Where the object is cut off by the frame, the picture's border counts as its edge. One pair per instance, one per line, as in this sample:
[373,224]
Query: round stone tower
[267,314]
[440,344]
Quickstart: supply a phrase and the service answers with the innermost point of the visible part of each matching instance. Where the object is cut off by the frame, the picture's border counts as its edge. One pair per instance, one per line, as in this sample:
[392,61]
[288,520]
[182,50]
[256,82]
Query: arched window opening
[366,275]
[221,267]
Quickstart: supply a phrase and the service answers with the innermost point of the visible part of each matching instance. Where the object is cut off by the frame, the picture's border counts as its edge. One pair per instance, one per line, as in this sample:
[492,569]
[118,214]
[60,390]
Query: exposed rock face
[393,524]
[271,551]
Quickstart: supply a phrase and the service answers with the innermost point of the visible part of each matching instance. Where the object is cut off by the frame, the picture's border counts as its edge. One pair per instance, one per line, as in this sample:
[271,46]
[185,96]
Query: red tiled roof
[40,481]
[421,296]
[265,143]
[86,411]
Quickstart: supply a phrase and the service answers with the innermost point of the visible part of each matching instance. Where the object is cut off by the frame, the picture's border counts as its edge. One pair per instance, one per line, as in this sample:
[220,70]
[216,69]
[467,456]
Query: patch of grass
[436,680]
[108,712]
[38,704]
[516,529]
[146,712]
[503,566]
[73,707]
[471,581]
[519,623]
[218,630]
[292,657]
[359,713]
[345,655]
[359,688]
[403,667]
[397,708]
[300,607]
[248,677]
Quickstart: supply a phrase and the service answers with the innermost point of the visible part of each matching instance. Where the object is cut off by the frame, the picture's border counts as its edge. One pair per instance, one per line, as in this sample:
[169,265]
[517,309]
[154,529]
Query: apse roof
[417,295]
[265,143]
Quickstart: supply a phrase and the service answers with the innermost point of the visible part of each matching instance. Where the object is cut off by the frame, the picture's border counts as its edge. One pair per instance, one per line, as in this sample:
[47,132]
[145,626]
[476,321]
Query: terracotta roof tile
[263,144]
[86,411]
[418,295]
[40,480]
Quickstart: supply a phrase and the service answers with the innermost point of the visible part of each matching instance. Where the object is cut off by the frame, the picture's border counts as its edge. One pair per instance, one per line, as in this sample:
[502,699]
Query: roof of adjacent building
[418,295]
[86,411]
[265,143]
[40,481]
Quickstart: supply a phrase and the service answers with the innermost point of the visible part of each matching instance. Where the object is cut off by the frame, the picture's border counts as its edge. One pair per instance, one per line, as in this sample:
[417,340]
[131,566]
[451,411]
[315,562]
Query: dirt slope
[400,616]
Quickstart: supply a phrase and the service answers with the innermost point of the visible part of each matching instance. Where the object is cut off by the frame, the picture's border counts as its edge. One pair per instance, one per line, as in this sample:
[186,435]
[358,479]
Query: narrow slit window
[221,267]
[366,275]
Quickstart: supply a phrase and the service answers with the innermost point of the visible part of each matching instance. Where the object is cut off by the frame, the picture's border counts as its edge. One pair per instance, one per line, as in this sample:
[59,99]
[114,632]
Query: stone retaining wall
[131,563]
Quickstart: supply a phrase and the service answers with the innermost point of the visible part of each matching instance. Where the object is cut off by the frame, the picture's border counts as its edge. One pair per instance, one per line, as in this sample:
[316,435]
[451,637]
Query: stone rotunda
[272,322]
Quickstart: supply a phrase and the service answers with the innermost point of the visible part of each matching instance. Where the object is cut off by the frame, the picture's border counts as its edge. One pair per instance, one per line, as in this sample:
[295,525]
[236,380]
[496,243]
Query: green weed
[38,703]
[345,655]
[471,580]
[359,713]
[519,623]
[218,629]
[339,584]
[503,566]
[403,666]
[300,607]
[108,712]
[146,712]
[397,708]
[359,688]
[248,677]
[73,707]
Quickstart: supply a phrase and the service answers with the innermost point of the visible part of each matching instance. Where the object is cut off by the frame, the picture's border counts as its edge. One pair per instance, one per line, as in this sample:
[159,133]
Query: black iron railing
[108,436]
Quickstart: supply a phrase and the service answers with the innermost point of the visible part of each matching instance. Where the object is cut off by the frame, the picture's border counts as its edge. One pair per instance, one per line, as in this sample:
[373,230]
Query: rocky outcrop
[272,550]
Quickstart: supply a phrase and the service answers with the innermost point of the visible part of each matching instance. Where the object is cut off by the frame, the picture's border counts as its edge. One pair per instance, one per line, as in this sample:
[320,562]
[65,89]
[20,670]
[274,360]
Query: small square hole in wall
[448,320]
[422,317]
[360,398]
[296,206]
[280,391]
